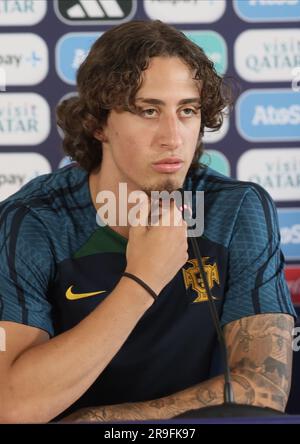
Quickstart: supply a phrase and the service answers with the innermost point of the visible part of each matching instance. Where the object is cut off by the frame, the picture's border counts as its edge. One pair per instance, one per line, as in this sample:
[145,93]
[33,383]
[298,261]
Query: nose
[169,132]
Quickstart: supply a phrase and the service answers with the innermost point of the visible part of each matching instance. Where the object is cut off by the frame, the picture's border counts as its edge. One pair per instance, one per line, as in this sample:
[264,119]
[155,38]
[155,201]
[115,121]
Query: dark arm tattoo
[260,352]
[260,357]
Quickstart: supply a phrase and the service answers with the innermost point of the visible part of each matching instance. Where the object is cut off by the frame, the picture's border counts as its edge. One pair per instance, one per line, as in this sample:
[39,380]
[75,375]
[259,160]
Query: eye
[189,112]
[149,112]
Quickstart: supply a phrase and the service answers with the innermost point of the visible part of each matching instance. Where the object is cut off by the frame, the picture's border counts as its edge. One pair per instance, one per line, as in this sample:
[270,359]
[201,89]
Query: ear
[99,135]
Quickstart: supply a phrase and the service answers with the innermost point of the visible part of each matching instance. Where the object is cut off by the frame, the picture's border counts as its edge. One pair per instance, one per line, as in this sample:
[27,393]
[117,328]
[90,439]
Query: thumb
[138,215]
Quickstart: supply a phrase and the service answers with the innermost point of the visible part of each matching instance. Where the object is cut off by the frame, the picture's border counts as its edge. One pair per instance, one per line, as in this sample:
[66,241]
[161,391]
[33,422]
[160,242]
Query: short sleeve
[256,282]
[26,268]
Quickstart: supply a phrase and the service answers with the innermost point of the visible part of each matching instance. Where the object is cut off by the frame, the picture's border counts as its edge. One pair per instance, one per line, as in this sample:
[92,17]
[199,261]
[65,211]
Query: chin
[165,184]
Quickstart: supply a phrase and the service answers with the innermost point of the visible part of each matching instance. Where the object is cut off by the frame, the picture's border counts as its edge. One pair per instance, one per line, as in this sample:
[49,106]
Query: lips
[168,165]
[169,160]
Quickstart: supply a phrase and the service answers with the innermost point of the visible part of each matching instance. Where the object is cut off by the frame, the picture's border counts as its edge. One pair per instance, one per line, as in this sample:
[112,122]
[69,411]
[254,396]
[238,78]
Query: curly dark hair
[111,75]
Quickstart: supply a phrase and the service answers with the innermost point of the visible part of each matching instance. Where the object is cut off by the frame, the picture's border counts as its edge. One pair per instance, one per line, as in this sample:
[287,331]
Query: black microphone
[229,408]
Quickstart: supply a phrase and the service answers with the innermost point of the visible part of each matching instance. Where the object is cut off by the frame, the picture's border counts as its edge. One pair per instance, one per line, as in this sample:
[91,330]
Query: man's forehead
[166,80]
[166,66]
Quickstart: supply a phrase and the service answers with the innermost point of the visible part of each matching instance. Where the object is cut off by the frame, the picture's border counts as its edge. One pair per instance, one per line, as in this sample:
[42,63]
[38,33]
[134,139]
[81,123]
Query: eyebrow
[161,102]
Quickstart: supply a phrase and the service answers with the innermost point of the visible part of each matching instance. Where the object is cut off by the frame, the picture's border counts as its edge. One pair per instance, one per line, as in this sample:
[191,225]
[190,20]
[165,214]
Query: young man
[84,338]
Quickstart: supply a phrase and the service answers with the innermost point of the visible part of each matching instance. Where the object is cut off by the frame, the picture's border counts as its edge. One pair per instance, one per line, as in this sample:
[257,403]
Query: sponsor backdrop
[42,44]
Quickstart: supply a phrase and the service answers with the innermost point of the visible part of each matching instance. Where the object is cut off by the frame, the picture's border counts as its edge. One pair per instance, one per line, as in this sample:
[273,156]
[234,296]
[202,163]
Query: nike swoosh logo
[75,296]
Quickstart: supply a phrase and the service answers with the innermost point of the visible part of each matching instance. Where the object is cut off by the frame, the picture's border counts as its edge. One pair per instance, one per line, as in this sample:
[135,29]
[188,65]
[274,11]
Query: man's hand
[156,253]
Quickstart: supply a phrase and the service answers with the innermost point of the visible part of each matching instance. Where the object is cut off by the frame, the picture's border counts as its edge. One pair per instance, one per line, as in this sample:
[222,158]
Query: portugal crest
[192,278]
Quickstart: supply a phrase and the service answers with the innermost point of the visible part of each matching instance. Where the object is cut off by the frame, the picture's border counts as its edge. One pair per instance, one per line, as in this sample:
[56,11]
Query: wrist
[136,293]
[142,284]
[147,279]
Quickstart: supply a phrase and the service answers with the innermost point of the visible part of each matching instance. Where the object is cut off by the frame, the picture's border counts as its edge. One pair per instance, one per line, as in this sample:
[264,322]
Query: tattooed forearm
[207,393]
[202,395]
[243,388]
[260,350]
[264,393]
[260,357]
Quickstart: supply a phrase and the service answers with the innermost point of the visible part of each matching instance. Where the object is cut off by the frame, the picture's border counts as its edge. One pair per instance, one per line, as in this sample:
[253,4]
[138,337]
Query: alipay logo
[24,58]
[268,10]
[185,11]
[269,115]
[289,223]
[24,119]
[267,55]
[71,50]
[89,12]
[22,12]
[16,169]
[277,170]
[213,45]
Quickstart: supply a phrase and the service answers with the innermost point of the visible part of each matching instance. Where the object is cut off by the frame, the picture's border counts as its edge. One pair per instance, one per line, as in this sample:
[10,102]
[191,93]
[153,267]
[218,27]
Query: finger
[171,215]
[138,215]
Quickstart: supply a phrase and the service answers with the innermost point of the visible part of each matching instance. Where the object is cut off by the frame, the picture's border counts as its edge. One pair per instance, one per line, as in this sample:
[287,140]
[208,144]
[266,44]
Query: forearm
[206,393]
[260,356]
[46,379]
[249,388]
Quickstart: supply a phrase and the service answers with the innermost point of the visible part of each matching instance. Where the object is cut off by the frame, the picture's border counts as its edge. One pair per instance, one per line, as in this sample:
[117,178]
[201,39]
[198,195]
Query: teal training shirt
[57,264]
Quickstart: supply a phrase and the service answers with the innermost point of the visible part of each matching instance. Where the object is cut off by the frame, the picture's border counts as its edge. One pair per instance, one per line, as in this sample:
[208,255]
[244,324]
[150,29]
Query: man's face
[153,148]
